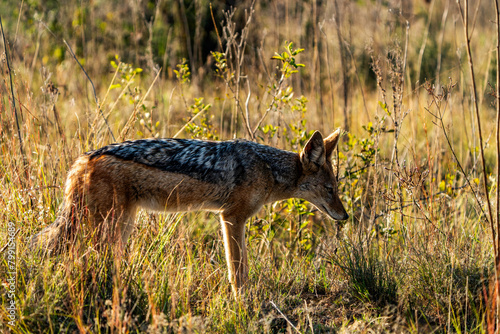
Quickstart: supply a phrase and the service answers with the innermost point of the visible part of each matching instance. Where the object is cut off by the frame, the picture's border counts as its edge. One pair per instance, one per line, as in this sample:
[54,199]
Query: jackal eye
[329,189]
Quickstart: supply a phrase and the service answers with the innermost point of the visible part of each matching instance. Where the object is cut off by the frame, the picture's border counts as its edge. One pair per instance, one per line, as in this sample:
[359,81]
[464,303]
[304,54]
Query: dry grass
[416,255]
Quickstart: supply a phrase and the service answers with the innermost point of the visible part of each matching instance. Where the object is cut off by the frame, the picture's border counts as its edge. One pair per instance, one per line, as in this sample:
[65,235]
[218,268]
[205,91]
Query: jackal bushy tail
[62,233]
[50,238]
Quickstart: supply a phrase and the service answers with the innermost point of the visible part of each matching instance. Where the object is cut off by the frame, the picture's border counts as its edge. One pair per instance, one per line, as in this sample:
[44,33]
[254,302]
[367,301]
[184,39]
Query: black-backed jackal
[105,188]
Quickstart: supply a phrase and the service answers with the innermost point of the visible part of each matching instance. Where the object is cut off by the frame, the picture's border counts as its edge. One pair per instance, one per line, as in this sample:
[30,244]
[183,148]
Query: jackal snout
[318,183]
[337,210]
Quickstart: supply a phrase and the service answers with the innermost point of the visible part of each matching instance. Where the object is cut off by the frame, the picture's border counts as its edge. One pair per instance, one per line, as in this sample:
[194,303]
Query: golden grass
[416,255]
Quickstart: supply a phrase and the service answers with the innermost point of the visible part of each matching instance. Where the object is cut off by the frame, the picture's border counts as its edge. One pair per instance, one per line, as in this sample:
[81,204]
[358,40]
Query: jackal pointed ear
[313,154]
[331,142]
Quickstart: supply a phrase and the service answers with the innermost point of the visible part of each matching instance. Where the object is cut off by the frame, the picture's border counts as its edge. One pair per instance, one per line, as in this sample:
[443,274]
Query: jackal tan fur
[106,187]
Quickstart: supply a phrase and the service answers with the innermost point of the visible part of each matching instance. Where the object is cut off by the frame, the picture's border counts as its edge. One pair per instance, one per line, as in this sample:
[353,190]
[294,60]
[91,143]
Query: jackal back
[183,175]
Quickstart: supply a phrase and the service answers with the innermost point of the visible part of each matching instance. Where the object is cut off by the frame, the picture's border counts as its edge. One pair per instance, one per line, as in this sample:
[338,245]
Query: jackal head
[318,183]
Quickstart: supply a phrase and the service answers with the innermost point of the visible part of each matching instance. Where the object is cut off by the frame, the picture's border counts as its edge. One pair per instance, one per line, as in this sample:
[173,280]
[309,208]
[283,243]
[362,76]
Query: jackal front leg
[233,229]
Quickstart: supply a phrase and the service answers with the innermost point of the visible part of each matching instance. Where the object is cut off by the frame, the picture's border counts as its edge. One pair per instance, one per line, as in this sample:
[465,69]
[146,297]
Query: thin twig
[247,112]
[413,201]
[273,102]
[459,165]
[192,120]
[330,78]
[7,244]
[494,236]
[353,61]
[498,122]
[497,252]
[284,316]
[356,171]
[424,41]
[440,45]
[215,26]
[465,19]
[25,163]
[112,82]
[343,65]
[40,188]
[18,20]
[136,108]
[240,55]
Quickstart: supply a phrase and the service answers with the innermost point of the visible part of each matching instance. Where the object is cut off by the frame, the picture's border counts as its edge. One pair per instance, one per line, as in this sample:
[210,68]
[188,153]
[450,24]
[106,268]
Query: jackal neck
[286,173]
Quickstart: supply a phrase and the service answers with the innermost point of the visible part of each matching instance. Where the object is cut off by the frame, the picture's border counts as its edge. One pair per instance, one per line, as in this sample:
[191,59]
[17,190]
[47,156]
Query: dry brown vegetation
[417,254]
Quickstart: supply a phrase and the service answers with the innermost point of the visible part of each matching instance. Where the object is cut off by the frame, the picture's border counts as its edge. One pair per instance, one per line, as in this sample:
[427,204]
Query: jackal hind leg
[113,225]
[233,230]
[126,225]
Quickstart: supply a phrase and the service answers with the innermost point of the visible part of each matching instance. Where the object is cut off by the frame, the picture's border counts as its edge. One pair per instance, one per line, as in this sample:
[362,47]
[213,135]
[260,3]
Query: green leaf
[296,52]
[384,107]
[277,56]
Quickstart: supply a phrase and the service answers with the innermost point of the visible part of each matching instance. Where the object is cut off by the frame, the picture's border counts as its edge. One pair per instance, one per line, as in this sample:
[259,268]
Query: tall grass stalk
[19,137]
[494,229]
[497,96]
